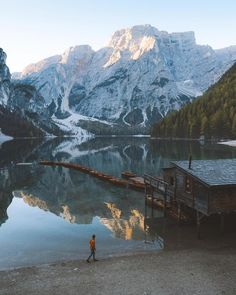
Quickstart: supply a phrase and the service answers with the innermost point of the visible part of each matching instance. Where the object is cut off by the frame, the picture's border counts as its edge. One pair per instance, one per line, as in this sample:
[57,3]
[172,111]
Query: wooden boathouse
[206,186]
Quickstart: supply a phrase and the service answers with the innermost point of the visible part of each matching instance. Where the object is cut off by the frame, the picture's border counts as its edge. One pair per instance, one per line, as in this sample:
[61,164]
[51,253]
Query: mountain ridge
[143,73]
[137,79]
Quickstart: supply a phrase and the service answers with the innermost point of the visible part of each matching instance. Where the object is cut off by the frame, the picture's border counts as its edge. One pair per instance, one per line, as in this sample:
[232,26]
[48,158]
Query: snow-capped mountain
[55,76]
[25,112]
[140,76]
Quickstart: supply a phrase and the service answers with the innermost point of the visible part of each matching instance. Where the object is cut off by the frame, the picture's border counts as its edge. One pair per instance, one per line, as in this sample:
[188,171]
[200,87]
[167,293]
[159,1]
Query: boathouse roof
[211,172]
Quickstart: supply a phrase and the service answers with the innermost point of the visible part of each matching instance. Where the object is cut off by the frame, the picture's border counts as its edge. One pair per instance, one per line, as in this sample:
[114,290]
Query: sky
[31,30]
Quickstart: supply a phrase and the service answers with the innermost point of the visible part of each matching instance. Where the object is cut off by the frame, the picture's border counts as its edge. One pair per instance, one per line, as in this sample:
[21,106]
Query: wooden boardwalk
[158,196]
[136,183]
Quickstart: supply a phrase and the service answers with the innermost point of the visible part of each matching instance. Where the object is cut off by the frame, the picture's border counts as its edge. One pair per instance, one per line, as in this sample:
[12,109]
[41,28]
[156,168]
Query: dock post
[198,224]
[222,222]
[145,201]
[165,195]
[179,212]
[145,228]
[152,203]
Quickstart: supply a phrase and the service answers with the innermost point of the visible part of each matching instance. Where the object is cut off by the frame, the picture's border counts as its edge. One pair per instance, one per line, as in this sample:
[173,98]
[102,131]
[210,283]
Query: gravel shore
[175,272]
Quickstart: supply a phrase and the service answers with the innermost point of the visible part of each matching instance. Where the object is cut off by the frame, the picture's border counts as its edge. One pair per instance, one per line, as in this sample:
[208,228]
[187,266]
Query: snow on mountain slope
[71,124]
[55,76]
[140,76]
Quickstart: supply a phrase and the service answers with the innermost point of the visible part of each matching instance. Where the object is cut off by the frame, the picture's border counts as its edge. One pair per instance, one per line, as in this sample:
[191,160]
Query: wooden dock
[130,180]
[136,183]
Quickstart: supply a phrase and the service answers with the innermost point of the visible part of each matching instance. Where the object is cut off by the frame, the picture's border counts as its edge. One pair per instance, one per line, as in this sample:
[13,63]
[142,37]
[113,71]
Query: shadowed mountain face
[22,108]
[4,78]
[5,201]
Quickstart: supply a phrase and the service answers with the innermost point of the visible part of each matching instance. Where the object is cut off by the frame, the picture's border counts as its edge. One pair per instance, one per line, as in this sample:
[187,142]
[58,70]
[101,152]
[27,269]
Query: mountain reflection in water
[79,199]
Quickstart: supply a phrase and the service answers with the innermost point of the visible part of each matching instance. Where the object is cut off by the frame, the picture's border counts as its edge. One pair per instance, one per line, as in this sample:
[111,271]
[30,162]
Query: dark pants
[92,254]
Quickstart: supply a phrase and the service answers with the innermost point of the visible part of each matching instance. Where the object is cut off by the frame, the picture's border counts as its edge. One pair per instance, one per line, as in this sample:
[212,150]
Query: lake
[48,214]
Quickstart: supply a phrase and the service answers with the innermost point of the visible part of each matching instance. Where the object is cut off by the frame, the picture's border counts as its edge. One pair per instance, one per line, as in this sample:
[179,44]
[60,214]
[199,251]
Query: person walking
[92,249]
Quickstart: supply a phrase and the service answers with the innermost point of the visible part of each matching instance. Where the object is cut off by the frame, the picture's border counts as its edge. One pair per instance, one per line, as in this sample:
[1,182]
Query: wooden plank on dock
[137,179]
[127,174]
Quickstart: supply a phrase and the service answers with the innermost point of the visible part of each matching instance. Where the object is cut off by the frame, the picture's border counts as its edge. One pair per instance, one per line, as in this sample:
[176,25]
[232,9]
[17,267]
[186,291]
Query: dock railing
[156,189]
[158,184]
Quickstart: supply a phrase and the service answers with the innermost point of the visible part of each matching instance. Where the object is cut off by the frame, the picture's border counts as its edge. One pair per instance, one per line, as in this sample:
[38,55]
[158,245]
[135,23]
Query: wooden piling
[179,212]
[222,223]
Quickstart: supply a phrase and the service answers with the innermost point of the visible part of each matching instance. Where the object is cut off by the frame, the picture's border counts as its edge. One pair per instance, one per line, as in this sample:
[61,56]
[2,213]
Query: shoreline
[185,271]
[101,257]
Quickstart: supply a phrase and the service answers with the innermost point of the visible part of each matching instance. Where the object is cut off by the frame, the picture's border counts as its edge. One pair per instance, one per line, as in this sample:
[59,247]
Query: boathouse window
[187,184]
[172,181]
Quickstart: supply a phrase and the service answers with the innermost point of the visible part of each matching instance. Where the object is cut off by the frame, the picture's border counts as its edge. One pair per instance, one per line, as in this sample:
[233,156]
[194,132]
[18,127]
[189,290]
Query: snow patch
[4,137]
[230,142]
[71,124]
[188,88]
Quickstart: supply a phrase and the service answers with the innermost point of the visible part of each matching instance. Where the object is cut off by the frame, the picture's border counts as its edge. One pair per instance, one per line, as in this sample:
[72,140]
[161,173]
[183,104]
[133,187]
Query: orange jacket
[92,244]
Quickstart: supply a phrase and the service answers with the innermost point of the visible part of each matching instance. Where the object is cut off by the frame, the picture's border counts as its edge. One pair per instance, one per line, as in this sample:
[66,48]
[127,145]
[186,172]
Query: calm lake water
[49,213]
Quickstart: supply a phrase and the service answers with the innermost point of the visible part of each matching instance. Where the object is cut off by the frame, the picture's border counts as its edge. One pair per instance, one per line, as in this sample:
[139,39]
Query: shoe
[88,261]
[95,260]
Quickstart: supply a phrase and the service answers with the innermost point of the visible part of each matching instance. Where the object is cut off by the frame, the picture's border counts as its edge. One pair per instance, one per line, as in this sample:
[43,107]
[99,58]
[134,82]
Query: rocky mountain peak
[129,38]
[40,66]
[3,57]
[132,42]
[132,38]
[5,78]
[124,38]
[77,53]
[183,37]
[4,71]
